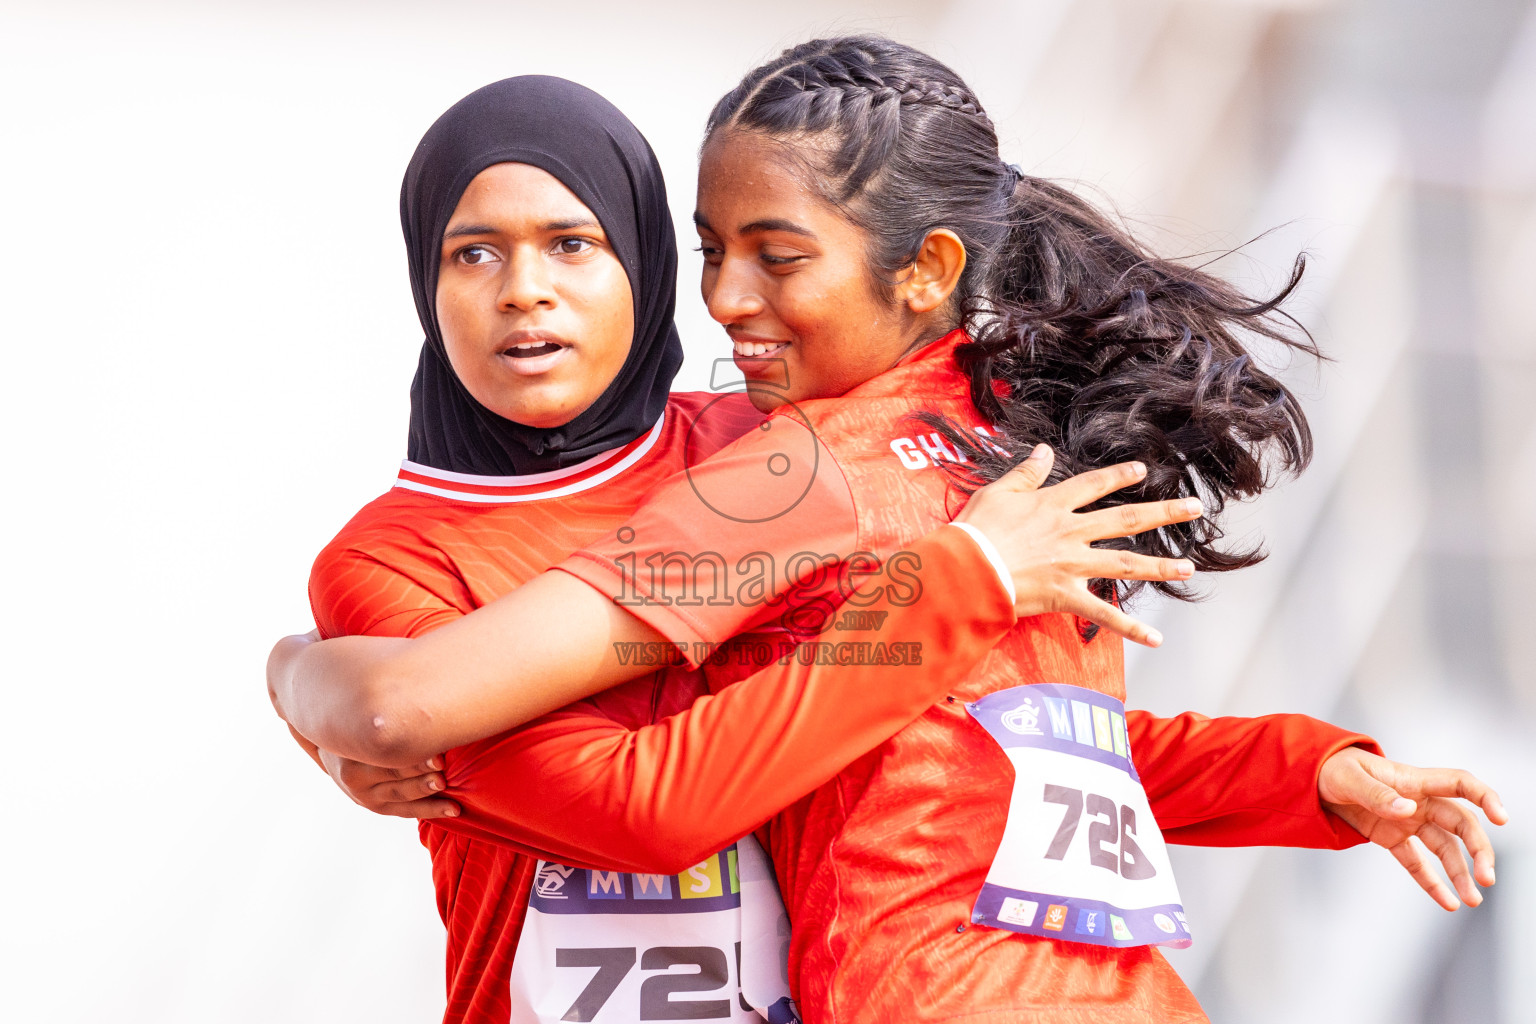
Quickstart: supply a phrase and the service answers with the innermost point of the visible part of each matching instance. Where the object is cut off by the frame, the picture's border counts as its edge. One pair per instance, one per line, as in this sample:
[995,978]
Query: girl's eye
[474,255]
[712,254]
[573,246]
[776,260]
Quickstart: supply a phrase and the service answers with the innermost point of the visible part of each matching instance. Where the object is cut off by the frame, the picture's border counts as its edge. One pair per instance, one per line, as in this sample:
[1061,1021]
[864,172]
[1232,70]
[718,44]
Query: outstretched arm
[1240,781]
[1291,780]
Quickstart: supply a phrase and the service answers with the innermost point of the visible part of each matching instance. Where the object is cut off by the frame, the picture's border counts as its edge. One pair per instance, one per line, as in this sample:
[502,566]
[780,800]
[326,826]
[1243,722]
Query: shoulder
[708,422]
[385,528]
[380,563]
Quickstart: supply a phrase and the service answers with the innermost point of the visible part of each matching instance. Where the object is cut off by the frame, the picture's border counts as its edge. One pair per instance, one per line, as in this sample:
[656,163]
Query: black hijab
[584,141]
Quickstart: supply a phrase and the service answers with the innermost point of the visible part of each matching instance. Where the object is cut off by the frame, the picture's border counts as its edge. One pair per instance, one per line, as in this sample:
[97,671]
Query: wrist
[994,558]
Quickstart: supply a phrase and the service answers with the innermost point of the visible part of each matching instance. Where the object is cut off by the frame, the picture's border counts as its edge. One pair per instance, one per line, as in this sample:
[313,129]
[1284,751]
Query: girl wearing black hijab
[594,151]
[543,264]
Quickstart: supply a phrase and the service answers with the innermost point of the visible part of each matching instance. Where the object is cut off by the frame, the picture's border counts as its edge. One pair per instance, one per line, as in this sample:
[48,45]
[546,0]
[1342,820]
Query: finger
[1128,565]
[1443,845]
[1085,605]
[1086,488]
[406,790]
[1138,517]
[1459,819]
[1450,782]
[359,777]
[1032,472]
[1360,786]
[1413,859]
[437,807]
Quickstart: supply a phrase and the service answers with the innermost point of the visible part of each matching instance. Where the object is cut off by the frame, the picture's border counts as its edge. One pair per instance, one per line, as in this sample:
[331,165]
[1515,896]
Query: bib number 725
[656,1002]
[1111,832]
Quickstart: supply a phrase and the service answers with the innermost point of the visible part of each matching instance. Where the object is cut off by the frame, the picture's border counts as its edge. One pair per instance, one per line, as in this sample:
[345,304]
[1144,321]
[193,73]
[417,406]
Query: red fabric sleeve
[712,551]
[579,788]
[355,594]
[1241,781]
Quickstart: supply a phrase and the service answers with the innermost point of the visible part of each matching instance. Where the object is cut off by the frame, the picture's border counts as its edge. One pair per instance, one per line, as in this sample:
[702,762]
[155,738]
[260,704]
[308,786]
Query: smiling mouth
[758,349]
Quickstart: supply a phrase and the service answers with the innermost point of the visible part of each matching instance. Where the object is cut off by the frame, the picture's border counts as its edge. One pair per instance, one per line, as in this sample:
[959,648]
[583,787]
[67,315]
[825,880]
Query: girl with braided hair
[914,315]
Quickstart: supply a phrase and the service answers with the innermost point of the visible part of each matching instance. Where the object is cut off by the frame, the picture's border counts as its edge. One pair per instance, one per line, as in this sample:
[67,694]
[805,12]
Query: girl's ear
[933,275]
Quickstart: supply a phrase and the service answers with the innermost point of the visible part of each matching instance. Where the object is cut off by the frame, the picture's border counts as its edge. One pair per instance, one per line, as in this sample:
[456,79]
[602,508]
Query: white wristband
[994,556]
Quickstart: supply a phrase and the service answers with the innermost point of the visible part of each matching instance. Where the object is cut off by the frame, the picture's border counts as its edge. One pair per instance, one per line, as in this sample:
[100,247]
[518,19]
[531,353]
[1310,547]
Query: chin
[540,413]
[539,419]
[766,399]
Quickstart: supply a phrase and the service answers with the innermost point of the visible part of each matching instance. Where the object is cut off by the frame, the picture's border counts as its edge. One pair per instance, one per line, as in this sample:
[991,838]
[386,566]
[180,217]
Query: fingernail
[1193,506]
[1154,637]
[1139,468]
[452,812]
[432,763]
[1402,805]
[1038,451]
[434,785]
[1186,568]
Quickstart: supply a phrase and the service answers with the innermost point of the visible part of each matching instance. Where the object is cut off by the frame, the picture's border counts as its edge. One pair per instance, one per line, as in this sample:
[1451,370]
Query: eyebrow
[769,224]
[566,225]
[554,225]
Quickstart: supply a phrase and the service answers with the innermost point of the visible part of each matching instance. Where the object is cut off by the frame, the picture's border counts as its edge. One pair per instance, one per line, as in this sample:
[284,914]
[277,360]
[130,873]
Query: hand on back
[1047,543]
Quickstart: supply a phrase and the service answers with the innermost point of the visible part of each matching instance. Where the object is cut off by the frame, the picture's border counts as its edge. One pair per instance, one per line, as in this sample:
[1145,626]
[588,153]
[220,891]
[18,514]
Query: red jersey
[880,867]
[650,776]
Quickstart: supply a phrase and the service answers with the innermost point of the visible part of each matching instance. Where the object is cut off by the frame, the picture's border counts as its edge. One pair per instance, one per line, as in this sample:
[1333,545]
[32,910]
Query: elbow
[382,728]
[352,700]
[372,720]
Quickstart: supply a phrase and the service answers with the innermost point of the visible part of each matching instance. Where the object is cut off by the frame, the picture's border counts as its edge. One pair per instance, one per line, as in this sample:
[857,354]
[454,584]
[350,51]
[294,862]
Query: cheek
[456,323]
[826,314]
[610,317]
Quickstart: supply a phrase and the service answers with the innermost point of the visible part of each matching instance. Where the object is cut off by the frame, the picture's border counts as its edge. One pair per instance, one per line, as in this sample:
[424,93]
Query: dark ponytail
[1081,338]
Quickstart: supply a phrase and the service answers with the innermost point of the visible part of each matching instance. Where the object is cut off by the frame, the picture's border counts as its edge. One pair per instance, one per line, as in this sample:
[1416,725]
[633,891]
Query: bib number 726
[1111,832]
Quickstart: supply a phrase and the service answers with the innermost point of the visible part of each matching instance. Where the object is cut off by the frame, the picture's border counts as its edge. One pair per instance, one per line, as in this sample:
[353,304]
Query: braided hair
[1080,337]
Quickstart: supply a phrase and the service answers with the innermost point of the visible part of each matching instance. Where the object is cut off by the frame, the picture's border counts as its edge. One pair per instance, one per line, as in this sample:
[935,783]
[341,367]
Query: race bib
[1081,858]
[617,947]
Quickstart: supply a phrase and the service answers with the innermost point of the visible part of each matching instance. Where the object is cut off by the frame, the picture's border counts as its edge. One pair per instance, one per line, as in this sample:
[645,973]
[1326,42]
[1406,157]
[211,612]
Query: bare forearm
[393,702]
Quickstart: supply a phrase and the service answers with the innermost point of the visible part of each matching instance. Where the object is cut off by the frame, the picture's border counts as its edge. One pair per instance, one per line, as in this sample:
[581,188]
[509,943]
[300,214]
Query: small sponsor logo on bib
[1020,912]
[551,880]
[1024,719]
[1117,925]
[1164,923]
[1055,917]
